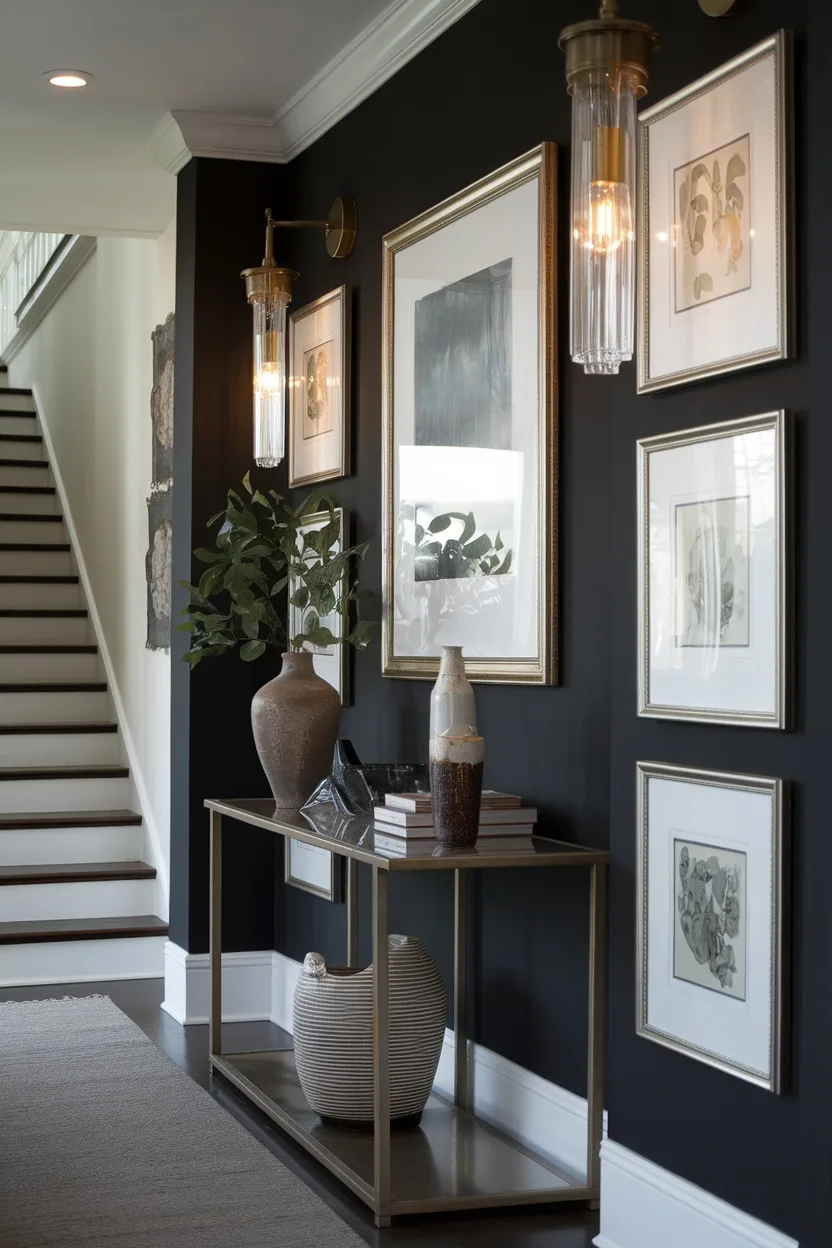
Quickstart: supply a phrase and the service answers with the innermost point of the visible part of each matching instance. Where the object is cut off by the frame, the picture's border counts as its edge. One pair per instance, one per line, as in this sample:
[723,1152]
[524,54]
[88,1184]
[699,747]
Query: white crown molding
[644,1206]
[376,54]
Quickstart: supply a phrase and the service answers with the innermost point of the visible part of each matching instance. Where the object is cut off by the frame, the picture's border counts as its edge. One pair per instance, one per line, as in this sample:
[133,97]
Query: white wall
[90,364]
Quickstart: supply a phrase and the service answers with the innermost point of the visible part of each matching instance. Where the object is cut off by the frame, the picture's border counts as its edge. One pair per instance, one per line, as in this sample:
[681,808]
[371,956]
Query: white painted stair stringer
[155,856]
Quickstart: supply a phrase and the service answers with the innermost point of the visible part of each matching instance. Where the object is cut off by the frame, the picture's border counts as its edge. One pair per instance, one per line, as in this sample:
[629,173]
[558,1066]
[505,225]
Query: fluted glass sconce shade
[606,69]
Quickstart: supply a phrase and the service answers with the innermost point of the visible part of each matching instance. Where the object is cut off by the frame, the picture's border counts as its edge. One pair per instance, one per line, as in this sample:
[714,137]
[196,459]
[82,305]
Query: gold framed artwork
[471,430]
[319,390]
[715,247]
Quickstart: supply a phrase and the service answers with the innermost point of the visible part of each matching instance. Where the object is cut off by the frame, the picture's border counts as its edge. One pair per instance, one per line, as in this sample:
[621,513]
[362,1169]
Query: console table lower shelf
[451,1161]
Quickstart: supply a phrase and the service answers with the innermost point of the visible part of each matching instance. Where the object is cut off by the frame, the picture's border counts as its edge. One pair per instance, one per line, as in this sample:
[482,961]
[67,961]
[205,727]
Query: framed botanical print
[319,390]
[331,663]
[716,266]
[711,932]
[313,870]
[714,572]
[470,430]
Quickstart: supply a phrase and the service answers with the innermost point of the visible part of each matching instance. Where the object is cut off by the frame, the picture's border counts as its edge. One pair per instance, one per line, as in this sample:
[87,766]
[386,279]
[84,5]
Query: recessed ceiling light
[67,78]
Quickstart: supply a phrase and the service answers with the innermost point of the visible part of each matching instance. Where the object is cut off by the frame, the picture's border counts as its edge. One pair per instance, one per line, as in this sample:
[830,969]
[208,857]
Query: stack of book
[410,815]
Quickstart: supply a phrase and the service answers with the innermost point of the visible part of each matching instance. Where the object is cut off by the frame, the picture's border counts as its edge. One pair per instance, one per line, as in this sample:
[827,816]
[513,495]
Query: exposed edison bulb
[269,378]
[610,222]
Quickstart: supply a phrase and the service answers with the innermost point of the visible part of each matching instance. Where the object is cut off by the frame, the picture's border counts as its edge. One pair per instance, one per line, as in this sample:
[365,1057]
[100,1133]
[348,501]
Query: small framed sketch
[319,390]
[713,573]
[313,870]
[331,663]
[711,937]
[470,430]
[715,230]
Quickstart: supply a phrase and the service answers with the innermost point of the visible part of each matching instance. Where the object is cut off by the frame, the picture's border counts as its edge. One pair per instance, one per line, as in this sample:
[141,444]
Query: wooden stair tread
[14,390]
[31,730]
[77,771]
[39,580]
[49,648]
[43,613]
[54,686]
[38,931]
[24,463]
[35,546]
[70,819]
[27,489]
[21,437]
[9,411]
[76,873]
[29,517]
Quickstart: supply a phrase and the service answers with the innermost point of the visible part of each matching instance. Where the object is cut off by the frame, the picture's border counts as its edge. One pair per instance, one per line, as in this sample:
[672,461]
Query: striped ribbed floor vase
[103,1140]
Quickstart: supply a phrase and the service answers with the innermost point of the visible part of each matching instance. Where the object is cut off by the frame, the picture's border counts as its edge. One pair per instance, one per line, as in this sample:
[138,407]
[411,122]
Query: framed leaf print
[319,390]
[470,430]
[715,245]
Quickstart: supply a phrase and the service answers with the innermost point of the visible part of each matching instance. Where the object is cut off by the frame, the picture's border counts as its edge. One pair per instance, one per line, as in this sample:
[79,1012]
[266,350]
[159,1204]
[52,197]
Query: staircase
[76,900]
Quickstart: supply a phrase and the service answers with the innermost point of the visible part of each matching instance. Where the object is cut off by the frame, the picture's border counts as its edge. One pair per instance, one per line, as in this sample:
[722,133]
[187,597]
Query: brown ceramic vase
[295,720]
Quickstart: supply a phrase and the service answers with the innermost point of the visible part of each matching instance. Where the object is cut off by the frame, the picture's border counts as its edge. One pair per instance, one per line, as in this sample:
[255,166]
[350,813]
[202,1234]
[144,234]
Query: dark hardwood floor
[140,999]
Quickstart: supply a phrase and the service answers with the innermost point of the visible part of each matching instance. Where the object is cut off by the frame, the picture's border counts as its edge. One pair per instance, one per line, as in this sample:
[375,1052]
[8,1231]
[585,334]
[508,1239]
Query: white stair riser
[22,596]
[60,749]
[35,563]
[22,903]
[16,424]
[44,795]
[16,402]
[29,504]
[41,532]
[17,449]
[66,630]
[38,846]
[79,961]
[40,667]
[17,476]
[61,708]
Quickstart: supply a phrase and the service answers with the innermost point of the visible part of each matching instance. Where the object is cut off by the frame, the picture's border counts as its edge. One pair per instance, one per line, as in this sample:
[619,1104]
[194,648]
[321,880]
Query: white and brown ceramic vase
[452,697]
[456,753]
[295,720]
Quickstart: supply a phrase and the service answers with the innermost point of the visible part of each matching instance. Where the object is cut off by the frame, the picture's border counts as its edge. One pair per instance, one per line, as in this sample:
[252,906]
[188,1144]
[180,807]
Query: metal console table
[454,1160]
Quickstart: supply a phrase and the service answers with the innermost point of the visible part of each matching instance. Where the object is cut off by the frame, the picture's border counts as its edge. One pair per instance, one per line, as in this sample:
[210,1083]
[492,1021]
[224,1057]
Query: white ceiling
[175,77]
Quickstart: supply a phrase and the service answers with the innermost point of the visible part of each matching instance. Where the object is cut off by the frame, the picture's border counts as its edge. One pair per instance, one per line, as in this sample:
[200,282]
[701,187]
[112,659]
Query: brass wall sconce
[269,291]
[607,65]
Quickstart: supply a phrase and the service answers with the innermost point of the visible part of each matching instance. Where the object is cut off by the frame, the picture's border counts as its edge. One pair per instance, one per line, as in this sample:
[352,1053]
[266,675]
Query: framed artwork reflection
[331,663]
[711,934]
[319,390]
[313,870]
[470,430]
[716,270]
[714,573]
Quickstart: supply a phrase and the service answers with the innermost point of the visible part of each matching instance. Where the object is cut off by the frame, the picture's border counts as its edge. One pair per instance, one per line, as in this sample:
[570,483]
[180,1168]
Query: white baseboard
[644,1206]
[246,985]
[539,1114]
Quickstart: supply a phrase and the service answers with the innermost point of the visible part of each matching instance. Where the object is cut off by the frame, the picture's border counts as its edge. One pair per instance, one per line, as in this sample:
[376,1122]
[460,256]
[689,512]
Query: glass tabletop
[357,836]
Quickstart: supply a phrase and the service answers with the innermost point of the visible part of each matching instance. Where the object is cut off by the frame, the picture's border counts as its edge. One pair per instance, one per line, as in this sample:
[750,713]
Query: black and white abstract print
[711,916]
[463,362]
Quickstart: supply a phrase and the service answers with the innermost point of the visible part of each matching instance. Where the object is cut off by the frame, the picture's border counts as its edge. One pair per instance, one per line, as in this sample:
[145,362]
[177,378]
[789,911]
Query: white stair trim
[97,631]
[378,52]
[645,1206]
[261,985]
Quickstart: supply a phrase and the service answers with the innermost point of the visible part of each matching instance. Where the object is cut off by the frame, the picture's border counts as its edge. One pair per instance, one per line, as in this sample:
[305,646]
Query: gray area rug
[103,1140]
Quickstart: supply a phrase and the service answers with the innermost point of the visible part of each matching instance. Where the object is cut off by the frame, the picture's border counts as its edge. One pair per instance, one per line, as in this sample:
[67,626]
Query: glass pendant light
[607,62]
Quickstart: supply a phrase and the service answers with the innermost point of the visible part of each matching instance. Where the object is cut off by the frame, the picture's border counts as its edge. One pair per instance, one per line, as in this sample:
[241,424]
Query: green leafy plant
[267,556]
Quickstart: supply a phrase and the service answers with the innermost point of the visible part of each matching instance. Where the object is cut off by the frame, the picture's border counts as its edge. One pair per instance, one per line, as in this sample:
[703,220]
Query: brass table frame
[522,853]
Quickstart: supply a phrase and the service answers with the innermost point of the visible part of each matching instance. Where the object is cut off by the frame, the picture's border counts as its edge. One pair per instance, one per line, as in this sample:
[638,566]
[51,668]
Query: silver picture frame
[332,871]
[650,704]
[770,1013]
[778,48]
[537,169]
[334,330]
